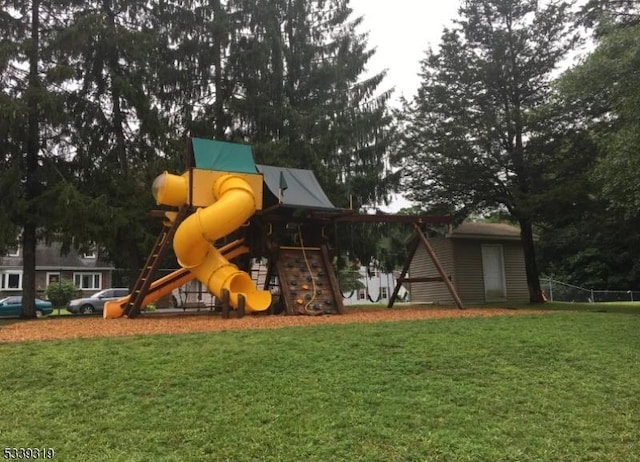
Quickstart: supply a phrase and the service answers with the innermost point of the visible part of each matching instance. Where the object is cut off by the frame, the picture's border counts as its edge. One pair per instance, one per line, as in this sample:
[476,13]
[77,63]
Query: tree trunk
[31,181]
[119,153]
[28,271]
[218,104]
[531,266]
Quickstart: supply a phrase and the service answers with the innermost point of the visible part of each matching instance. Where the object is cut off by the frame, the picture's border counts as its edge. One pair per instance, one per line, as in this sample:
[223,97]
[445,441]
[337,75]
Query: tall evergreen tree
[30,122]
[194,38]
[117,86]
[475,138]
[121,129]
[300,97]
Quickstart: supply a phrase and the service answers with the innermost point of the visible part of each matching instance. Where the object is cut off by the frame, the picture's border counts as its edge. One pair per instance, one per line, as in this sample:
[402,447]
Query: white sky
[401,31]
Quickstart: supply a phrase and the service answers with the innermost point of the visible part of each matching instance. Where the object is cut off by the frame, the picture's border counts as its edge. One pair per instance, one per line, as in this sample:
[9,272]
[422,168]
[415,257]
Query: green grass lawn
[556,387]
[601,307]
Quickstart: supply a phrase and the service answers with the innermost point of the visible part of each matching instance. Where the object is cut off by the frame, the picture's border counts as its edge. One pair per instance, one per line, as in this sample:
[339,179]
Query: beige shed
[484,262]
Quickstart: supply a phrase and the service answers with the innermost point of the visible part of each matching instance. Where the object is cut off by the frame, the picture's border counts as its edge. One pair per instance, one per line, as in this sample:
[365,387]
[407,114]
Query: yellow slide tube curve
[165,285]
[235,204]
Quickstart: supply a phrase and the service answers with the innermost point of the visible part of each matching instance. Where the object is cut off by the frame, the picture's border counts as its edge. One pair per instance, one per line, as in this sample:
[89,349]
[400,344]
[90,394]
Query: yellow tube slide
[235,204]
[165,285]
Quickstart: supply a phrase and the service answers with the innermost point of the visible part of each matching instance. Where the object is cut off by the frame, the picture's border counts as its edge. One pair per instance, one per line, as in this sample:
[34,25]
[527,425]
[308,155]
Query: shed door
[495,287]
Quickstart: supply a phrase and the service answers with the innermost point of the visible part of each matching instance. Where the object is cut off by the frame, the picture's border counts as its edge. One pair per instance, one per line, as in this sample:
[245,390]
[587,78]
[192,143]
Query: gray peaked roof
[51,257]
[299,188]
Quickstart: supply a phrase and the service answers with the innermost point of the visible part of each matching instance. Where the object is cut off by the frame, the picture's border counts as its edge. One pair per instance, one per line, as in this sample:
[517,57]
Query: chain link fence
[557,291]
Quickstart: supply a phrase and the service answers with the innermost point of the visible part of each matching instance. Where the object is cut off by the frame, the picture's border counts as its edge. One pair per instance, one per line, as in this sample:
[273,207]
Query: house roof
[486,231]
[50,257]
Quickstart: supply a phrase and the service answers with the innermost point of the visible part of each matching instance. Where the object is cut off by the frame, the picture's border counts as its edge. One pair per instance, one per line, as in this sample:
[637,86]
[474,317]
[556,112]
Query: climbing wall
[308,284]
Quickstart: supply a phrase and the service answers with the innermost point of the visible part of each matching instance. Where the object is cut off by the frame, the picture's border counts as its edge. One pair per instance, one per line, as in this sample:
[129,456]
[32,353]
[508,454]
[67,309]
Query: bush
[59,294]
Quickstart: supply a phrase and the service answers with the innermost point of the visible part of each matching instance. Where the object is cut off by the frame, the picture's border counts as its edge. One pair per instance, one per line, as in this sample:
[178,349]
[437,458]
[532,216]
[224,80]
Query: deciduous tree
[474,135]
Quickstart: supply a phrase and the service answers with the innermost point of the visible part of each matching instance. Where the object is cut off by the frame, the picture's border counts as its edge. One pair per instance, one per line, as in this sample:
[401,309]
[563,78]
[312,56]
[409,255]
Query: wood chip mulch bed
[68,327]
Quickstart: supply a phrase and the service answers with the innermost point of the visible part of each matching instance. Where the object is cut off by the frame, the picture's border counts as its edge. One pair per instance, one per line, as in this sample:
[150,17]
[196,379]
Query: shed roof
[480,230]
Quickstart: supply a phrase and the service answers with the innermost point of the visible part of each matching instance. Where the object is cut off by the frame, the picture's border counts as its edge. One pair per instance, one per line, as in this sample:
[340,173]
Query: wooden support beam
[280,214]
[436,262]
[384,218]
[407,264]
[283,282]
[333,281]
[422,279]
[271,269]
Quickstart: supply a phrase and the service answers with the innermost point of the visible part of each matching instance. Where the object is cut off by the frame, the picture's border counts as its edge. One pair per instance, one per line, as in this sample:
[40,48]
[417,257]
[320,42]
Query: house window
[90,255]
[53,278]
[384,293]
[361,294]
[87,281]
[11,280]
[15,252]
[89,252]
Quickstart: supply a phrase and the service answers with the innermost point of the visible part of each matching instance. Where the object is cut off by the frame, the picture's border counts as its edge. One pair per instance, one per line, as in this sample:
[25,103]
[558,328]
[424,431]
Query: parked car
[12,307]
[95,303]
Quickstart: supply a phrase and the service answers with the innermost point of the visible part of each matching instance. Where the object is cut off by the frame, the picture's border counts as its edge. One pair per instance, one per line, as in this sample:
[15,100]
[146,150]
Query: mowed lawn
[563,386]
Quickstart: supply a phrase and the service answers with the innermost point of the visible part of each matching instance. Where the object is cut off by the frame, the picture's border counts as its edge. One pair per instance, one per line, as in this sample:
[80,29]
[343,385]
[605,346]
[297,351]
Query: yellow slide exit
[234,203]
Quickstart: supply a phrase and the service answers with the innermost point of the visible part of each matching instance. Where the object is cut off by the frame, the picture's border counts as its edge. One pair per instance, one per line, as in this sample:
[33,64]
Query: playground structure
[225,207]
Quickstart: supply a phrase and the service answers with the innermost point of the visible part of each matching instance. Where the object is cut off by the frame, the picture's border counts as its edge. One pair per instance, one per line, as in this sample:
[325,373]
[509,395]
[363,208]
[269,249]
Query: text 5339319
[28,453]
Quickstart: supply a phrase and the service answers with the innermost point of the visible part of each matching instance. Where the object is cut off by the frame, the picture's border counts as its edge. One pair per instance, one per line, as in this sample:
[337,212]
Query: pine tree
[31,121]
[300,99]
[116,86]
[123,128]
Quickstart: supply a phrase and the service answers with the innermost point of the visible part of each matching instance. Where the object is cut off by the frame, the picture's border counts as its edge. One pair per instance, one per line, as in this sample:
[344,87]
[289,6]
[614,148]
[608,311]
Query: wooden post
[241,305]
[400,280]
[436,262]
[333,281]
[226,308]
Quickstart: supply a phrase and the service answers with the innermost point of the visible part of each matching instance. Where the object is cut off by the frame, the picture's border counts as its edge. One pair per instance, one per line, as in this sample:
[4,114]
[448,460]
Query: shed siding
[468,261]
[462,260]
[515,273]
[422,266]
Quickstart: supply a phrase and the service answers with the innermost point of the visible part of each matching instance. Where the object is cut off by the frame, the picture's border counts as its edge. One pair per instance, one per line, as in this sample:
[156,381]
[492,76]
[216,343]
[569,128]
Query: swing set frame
[417,221]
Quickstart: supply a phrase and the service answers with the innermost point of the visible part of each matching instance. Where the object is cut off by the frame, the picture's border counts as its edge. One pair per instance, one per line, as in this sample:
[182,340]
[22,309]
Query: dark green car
[12,307]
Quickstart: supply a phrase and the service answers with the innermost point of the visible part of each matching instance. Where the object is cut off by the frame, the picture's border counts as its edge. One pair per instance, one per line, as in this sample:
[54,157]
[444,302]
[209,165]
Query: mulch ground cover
[68,327]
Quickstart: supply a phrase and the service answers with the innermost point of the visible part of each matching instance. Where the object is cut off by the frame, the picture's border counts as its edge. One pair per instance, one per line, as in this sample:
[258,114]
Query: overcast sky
[401,31]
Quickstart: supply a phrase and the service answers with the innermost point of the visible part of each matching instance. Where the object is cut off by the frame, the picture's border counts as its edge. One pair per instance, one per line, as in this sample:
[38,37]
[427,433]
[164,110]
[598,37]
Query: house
[377,288]
[484,261]
[88,271]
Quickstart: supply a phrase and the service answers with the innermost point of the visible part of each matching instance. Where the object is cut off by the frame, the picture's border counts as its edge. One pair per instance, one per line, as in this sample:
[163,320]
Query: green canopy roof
[222,156]
[296,188]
